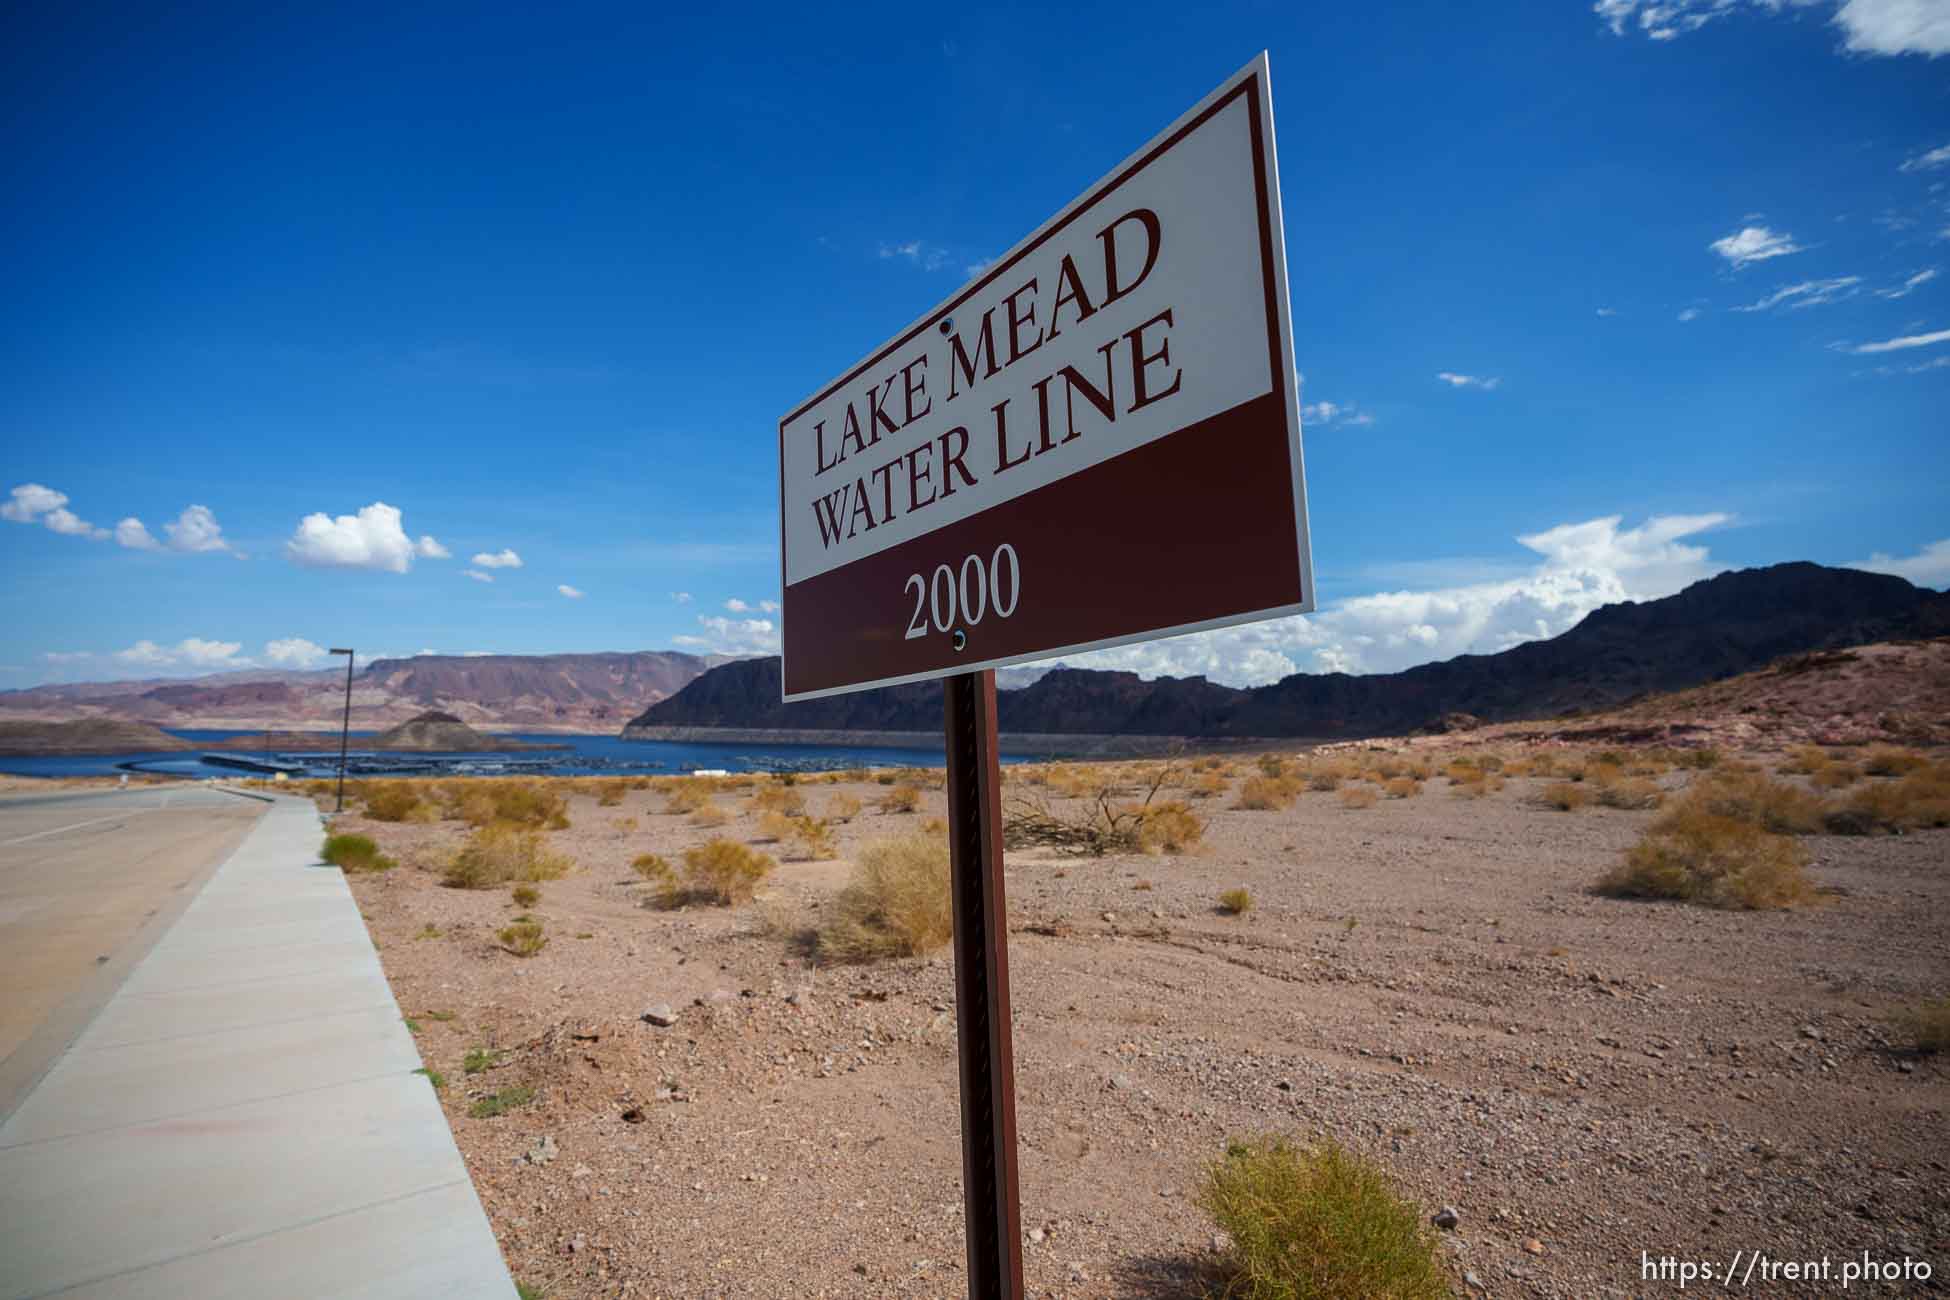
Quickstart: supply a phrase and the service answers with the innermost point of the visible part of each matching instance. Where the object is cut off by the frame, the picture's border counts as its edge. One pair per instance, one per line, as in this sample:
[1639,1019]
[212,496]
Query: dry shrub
[1236,902]
[1402,787]
[778,799]
[934,826]
[1319,1223]
[525,895]
[1564,796]
[1698,856]
[1169,827]
[1751,796]
[398,801]
[723,871]
[1206,785]
[897,903]
[1927,1024]
[1103,824]
[1359,796]
[1886,760]
[1916,801]
[1264,794]
[1630,792]
[611,793]
[686,795]
[653,868]
[1323,779]
[626,825]
[709,816]
[1834,776]
[353,854]
[811,837]
[774,826]
[501,854]
[523,938]
[1272,765]
[521,803]
[1484,783]
[900,799]
[1804,760]
[842,808]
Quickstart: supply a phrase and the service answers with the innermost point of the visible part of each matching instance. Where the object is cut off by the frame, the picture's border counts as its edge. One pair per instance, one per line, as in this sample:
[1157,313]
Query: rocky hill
[566,692]
[90,736]
[435,732]
[1723,626]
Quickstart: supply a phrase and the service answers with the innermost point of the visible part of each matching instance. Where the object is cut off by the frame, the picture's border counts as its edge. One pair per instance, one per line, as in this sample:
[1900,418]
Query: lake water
[585,756]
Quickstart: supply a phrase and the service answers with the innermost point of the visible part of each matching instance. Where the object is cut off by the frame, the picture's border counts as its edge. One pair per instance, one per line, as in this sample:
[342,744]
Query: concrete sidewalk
[242,1119]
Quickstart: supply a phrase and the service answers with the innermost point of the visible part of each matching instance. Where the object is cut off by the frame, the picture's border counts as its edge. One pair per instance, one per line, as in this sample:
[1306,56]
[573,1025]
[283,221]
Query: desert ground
[1429,979]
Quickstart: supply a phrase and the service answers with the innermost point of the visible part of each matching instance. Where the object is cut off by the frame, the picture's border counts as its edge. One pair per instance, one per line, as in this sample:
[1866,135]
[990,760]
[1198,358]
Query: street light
[346,730]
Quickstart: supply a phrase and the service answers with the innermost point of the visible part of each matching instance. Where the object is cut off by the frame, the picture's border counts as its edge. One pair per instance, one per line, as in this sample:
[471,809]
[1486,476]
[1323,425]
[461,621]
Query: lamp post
[345,730]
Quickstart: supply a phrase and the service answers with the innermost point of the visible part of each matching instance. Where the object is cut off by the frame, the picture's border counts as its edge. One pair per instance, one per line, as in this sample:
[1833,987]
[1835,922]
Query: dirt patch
[1429,979]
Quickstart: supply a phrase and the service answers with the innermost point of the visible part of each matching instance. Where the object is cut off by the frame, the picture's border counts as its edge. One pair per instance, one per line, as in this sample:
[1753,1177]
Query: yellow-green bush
[896,904]
[1264,794]
[901,799]
[397,801]
[523,938]
[1169,827]
[724,872]
[1695,855]
[354,853]
[500,854]
[1237,901]
[1317,1223]
[1565,796]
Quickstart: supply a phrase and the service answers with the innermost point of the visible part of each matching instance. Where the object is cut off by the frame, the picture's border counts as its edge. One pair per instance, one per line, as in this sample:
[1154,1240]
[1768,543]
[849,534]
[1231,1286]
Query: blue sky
[1589,301]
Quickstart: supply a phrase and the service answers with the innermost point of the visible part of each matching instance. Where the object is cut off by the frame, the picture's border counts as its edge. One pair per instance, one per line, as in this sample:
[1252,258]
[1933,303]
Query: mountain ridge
[1715,628]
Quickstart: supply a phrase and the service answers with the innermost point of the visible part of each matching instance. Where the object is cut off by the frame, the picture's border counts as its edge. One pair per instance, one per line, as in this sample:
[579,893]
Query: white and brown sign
[1095,441]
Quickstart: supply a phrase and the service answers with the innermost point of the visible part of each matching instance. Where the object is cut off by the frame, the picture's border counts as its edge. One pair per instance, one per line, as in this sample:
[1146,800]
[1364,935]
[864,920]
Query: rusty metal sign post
[991,1200]
[1094,442]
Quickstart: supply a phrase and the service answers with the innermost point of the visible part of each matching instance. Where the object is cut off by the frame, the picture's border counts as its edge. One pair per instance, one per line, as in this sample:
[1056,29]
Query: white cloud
[196,530]
[293,652]
[132,533]
[737,606]
[1929,567]
[478,576]
[1896,26]
[681,597]
[64,521]
[1902,344]
[1868,26]
[925,256]
[769,606]
[1576,568]
[733,636]
[429,549]
[572,593]
[193,652]
[1324,413]
[1607,311]
[1809,293]
[503,559]
[1909,286]
[1455,380]
[1691,313]
[1934,158]
[371,539]
[30,501]
[1752,244]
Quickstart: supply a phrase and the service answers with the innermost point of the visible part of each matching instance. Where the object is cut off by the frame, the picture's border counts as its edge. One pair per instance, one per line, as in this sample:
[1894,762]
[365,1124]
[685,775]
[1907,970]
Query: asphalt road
[88,881]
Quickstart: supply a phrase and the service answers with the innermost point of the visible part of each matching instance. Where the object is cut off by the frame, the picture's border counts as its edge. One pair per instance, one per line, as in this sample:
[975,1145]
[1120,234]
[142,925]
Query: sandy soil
[1429,980]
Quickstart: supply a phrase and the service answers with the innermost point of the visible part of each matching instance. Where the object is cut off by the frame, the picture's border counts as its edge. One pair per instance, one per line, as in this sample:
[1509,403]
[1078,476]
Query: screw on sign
[1095,442]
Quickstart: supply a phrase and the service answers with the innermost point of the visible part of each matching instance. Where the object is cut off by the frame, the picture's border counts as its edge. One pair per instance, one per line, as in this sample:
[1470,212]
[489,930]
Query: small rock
[1285,1085]
[1532,1246]
[1446,1218]
[1471,1281]
[542,1152]
[1122,1082]
[660,1014]
[1037,1235]
[634,1115]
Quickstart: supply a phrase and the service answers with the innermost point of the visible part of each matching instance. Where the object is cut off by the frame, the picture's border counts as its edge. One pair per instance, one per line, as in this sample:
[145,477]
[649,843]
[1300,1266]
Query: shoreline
[1045,744]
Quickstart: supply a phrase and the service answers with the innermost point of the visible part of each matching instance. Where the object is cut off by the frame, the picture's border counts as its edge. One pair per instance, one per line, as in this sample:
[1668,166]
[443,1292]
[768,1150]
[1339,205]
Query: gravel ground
[1428,980]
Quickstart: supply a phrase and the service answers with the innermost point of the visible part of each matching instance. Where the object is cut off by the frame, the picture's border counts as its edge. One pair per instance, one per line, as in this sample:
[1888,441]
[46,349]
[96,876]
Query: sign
[1095,441]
